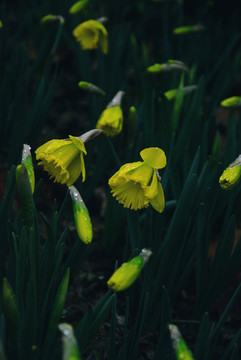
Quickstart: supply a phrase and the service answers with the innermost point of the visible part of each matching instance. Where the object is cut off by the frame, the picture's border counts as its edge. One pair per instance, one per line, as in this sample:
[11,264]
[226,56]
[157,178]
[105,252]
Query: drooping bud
[188,29]
[27,161]
[171,65]
[52,18]
[171,94]
[128,272]
[78,6]
[90,87]
[179,346]
[81,216]
[231,175]
[70,346]
[231,101]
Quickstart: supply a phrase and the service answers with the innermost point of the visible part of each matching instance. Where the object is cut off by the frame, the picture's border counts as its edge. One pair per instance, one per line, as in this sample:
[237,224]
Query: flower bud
[78,6]
[70,346]
[81,216]
[52,18]
[231,175]
[171,94]
[27,161]
[231,101]
[90,87]
[188,29]
[125,275]
[180,348]
[171,65]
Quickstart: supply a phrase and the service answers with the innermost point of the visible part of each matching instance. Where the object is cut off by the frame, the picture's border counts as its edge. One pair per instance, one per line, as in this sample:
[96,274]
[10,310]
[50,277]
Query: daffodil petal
[114,180]
[154,157]
[158,202]
[152,190]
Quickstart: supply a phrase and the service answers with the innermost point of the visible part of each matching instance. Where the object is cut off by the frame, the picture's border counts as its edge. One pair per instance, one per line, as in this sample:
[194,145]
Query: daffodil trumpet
[137,184]
[128,272]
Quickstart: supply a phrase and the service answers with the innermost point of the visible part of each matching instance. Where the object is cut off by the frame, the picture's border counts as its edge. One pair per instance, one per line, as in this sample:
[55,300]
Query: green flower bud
[125,275]
[232,101]
[52,18]
[231,175]
[171,94]
[180,348]
[188,29]
[171,65]
[78,6]
[90,87]
[81,216]
[70,346]
[27,161]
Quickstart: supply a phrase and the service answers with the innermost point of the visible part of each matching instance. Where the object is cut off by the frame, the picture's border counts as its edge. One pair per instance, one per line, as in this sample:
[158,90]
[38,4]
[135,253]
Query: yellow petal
[78,143]
[158,202]
[152,190]
[154,157]
[114,180]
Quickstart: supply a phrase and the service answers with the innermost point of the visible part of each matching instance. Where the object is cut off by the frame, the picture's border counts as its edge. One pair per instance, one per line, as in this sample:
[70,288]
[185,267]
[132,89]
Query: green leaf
[59,302]
[10,311]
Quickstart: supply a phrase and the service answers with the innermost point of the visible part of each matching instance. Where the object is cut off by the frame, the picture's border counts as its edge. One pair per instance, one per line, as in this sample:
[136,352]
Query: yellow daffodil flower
[90,34]
[231,175]
[63,159]
[111,119]
[137,184]
[128,272]
[81,216]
